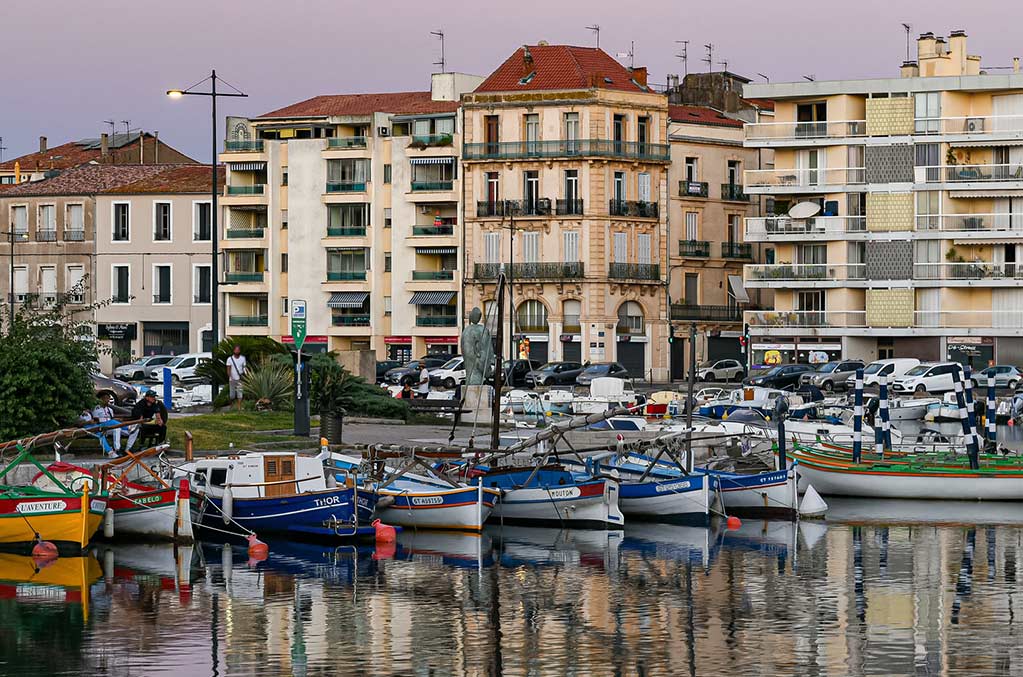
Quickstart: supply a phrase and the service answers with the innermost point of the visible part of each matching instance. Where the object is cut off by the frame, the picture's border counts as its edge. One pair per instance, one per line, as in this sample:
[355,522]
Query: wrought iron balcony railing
[636,208]
[531,271]
[634,271]
[694,248]
[521,150]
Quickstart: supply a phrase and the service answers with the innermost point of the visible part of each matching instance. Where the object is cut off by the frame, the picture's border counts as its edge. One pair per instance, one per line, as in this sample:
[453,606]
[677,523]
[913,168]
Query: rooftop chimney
[527,61]
[42,144]
[104,145]
[925,45]
[1015,64]
[639,75]
[909,69]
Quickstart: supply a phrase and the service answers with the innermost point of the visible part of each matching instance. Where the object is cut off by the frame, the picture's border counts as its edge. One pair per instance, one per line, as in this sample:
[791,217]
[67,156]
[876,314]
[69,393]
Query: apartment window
[618,130]
[492,247]
[48,218]
[734,171]
[643,248]
[928,210]
[162,221]
[75,222]
[161,284]
[354,215]
[812,253]
[387,217]
[734,227]
[619,186]
[387,305]
[692,225]
[810,162]
[491,133]
[285,307]
[572,131]
[621,247]
[120,284]
[284,175]
[928,155]
[571,310]
[19,216]
[74,284]
[532,135]
[812,119]
[387,173]
[692,169]
[122,222]
[48,283]
[350,174]
[643,129]
[570,240]
[387,262]
[347,261]
[691,289]
[202,285]
[531,191]
[811,301]
[928,112]
[284,219]
[284,262]
[20,283]
[643,186]
[531,247]
[493,187]
[856,205]
[571,185]
[855,257]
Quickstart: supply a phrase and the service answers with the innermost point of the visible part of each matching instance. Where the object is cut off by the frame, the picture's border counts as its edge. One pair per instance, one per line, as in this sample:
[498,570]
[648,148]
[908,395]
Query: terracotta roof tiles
[364,104]
[701,115]
[174,179]
[559,67]
[93,179]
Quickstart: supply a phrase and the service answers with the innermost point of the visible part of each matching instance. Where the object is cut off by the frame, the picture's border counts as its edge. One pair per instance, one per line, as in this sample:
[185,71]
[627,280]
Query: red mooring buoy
[733,523]
[44,550]
[258,550]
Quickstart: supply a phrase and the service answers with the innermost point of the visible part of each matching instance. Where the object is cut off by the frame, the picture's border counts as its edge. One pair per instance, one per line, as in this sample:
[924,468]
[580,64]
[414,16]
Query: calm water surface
[882,588]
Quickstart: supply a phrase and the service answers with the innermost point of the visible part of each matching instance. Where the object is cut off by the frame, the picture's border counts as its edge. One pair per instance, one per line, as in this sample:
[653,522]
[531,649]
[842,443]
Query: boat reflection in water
[860,594]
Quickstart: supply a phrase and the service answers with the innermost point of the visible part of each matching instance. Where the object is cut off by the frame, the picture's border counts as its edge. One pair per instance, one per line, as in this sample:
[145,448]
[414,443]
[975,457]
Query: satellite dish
[804,210]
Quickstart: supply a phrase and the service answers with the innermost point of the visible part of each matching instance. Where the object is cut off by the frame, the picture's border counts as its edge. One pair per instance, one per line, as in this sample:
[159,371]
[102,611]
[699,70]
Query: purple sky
[73,64]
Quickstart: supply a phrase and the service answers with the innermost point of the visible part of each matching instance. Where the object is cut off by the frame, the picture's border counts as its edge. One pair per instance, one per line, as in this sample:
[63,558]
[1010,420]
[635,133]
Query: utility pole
[439,34]
[495,400]
[689,396]
[2,148]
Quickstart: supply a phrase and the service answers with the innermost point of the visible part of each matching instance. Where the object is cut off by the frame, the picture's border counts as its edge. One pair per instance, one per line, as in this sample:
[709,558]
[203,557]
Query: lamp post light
[214,234]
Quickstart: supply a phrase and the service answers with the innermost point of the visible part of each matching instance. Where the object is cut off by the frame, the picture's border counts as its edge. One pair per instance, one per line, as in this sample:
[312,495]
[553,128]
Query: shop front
[977,352]
[120,335]
[632,354]
[794,351]
[399,348]
[441,345]
[571,347]
[313,344]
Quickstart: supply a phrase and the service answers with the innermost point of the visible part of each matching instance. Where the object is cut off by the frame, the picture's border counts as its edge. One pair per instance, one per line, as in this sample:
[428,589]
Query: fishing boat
[522,402]
[557,402]
[550,495]
[606,393]
[276,492]
[911,408]
[757,399]
[664,403]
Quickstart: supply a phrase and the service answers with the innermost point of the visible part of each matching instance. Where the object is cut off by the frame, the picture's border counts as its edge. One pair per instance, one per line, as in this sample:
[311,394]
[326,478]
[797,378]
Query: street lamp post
[671,329]
[214,233]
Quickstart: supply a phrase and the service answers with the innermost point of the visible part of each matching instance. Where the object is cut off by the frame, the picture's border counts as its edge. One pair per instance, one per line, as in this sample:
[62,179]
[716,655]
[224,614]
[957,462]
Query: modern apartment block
[914,243]
[351,203]
[565,186]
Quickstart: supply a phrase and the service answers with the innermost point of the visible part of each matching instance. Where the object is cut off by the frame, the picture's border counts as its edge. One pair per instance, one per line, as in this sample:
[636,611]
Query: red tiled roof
[71,154]
[364,104]
[93,179]
[701,115]
[766,104]
[560,67]
[174,179]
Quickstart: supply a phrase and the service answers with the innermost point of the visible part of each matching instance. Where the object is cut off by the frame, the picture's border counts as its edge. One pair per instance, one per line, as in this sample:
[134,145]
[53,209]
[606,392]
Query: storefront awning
[736,289]
[436,250]
[246,166]
[432,160]
[431,298]
[347,299]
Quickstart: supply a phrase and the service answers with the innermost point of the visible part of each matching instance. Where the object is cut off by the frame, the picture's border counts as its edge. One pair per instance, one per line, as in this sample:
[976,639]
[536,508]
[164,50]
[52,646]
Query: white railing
[804,178]
[1010,125]
[969,173]
[856,319]
[789,272]
[826,129]
[968,223]
[968,319]
[817,225]
[969,270]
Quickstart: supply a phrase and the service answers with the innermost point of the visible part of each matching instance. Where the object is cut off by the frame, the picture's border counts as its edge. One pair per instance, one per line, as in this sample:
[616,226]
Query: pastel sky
[71,64]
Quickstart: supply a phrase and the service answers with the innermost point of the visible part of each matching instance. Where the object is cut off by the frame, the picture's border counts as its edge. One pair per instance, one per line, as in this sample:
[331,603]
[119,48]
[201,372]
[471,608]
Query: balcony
[341,320]
[562,148]
[421,186]
[693,189]
[46,235]
[346,187]
[568,207]
[243,276]
[733,192]
[737,250]
[436,320]
[346,231]
[766,229]
[634,271]
[804,180]
[343,142]
[247,320]
[246,190]
[525,208]
[430,140]
[982,225]
[20,235]
[810,319]
[246,146]
[799,133]
[244,233]
[972,270]
[963,176]
[854,322]
[805,272]
[685,311]
[694,248]
[346,275]
[634,208]
[530,271]
[74,235]
[973,127]
[431,230]
[432,275]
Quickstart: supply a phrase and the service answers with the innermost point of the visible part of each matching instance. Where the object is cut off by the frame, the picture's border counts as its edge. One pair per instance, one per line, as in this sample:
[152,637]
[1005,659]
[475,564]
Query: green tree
[334,387]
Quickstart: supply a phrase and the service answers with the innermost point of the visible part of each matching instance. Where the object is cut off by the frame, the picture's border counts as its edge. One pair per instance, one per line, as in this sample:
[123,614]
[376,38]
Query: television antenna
[764,77]
[683,55]
[439,34]
[127,127]
[909,41]
[631,55]
[596,31]
[810,78]
[709,59]
[723,64]
[2,148]
[113,127]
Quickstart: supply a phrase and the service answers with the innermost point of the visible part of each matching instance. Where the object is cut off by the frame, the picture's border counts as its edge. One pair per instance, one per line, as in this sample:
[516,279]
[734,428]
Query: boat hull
[767,494]
[464,509]
[290,515]
[56,518]
[678,500]
[837,480]
[156,514]
[592,504]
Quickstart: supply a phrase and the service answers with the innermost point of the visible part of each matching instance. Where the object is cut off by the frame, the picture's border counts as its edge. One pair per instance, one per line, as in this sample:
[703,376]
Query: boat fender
[733,523]
[228,505]
[258,550]
[331,480]
[108,523]
[385,502]
[227,561]
[108,564]
[44,551]
[384,533]
[812,505]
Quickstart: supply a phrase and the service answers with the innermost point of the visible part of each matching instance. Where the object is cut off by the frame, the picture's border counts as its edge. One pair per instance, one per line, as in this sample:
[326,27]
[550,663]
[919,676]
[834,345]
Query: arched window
[531,316]
[630,318]
[571,310]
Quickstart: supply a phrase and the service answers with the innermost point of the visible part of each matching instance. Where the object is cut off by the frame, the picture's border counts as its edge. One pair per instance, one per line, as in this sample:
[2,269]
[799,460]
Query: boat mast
[495,400]
[689,397]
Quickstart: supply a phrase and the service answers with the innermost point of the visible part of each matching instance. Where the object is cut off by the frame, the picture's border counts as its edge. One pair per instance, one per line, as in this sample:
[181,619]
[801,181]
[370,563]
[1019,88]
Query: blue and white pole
[992,429]
[971,413]
[858,418]
[783,461]
[886,425]
[961,405]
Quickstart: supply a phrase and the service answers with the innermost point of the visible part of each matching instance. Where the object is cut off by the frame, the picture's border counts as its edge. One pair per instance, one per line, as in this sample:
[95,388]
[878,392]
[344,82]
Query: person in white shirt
[423,389]
[103,413]
[236,365]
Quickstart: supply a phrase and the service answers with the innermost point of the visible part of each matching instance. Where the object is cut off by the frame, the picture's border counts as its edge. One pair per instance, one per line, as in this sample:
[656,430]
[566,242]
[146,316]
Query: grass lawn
[216,431]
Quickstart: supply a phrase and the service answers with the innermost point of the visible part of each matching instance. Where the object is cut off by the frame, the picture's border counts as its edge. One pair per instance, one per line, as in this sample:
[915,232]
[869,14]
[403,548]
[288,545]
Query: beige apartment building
[913,243]
[707,249]
[350,203]
[565,187]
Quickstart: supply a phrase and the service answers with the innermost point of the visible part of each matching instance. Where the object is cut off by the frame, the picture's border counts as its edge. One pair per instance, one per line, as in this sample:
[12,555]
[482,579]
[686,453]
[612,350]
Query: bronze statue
[477,350]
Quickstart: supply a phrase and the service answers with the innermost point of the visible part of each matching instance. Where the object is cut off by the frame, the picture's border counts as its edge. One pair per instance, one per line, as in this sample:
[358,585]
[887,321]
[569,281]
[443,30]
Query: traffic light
[671,333]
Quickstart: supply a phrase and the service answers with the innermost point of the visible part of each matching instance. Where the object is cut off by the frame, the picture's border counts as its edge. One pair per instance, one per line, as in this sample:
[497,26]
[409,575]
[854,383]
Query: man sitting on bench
[153,430]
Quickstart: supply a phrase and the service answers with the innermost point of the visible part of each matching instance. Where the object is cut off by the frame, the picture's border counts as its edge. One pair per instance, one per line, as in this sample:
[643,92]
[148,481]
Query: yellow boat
[19,573]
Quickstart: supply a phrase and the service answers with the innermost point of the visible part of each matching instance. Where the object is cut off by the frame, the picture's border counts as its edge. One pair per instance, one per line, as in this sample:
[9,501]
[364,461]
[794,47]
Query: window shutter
[643,248]
[571,246]
[621,248]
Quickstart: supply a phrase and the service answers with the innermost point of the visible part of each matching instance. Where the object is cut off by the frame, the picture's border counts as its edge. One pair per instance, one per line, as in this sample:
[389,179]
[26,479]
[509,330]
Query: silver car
[137,370]
[720,370]
[1006,376]
[831,375]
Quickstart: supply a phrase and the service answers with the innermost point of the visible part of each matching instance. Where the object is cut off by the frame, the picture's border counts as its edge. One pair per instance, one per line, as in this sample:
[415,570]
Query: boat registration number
[147,499]
[427,500]
[570,492]
[675,486]
[42,506]
[327,500]
[97,506]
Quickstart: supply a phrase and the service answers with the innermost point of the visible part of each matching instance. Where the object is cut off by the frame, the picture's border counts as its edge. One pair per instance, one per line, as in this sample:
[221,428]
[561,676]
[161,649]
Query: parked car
[182,367]
[122,393]
[383,366]
[515,371]
[720,370]
[1005,375]
[599,369]
[554,373]
[782,377]
[410,372]
[136,371]
[831,375]
[892,368]
[928,377]
[449,374]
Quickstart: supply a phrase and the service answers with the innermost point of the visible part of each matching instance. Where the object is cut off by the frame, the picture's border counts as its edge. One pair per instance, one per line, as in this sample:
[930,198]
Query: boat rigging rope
[207,501]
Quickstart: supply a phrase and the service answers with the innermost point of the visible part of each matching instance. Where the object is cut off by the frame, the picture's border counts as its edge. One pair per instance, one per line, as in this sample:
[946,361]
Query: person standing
[423,389]
[236,365]
[104,413]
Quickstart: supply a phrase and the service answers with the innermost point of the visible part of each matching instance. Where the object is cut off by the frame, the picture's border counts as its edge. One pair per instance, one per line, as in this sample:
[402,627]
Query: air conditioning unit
[383,131]
[974,125]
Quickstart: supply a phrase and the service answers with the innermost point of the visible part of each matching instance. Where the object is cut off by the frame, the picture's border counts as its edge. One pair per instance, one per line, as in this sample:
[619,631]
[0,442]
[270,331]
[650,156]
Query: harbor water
[879,588]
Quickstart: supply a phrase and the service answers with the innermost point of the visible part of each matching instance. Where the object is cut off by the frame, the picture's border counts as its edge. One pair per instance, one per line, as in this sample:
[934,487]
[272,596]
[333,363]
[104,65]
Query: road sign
[298,318]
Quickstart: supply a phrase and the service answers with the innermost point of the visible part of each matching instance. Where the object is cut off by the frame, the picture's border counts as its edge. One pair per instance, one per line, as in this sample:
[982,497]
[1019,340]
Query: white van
[928,377]
[182,367]
[892,368]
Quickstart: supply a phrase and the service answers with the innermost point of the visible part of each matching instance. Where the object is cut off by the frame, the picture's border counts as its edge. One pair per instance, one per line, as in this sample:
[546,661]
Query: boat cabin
[258,475]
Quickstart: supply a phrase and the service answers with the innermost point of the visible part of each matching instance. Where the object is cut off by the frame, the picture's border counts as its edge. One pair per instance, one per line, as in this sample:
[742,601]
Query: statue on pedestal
[477,350]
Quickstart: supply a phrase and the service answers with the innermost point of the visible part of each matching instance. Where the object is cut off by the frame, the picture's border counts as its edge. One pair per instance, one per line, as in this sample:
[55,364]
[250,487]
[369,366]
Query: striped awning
[736,289]
[347,299]
[953,192]
[246,166]
[436,250]
[432,160]
[431,298]
[985,143]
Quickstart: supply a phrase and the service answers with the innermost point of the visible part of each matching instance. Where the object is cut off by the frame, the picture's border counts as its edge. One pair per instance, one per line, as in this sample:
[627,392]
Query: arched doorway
[631,334]
[531,321]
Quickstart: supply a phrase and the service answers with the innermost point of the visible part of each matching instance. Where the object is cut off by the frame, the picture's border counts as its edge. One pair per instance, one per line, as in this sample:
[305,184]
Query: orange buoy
[1011,423]
[385,550]
[258,550]
[44,550]
[384,532]
[733,523]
